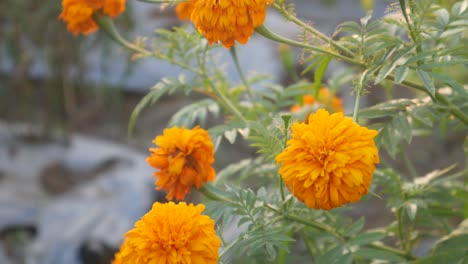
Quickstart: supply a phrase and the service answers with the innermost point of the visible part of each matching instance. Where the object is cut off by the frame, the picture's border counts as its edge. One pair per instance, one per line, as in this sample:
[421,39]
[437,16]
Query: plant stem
[409,165]
[229,247]
[233,53]
[211,192]
[264,31]
[312,30]
[438,96]
[356,106]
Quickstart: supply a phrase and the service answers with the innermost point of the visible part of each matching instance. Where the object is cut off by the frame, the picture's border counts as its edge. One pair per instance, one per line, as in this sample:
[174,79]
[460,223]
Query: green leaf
[188,115]
[397,60]
[400,73]
[449,256]
[427,80]
[332,256]
[157,91]
[402,126]
[366,238]
[355,228]
[451,82]
[377,254]
[319,73]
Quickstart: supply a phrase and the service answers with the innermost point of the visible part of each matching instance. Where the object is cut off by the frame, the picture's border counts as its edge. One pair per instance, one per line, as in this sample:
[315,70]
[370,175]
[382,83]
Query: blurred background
[72,181]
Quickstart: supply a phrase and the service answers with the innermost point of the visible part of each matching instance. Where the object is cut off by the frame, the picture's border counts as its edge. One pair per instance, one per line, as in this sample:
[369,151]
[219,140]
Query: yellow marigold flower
[184,9]
[226,21]
[183,159]
[78,14]
[329,161]
[171,234]
[326,98]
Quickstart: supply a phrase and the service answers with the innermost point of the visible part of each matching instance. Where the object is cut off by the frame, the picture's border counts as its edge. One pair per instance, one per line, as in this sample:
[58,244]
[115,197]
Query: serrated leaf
[158,90]
[366,238]
[397,60]
[403,126]
[377,254]
[427,80]
[188,115]
[400,73]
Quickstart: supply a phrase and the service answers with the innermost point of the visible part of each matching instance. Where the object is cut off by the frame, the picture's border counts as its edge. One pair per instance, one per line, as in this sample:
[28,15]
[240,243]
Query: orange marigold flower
[171,234]
[78,14]
[184,10]
[329,161]
[183,159]
[226,21]
[326,98]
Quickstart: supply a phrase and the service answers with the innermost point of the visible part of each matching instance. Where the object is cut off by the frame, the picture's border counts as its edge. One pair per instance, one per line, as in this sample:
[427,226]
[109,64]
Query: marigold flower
[78,14]
[184,9]
[226,21]
[183,159]
[171,234]
[326,99]
[329,161]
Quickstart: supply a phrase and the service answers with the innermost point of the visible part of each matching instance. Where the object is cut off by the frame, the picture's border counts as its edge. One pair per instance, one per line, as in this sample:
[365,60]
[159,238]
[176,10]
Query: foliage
[418,45]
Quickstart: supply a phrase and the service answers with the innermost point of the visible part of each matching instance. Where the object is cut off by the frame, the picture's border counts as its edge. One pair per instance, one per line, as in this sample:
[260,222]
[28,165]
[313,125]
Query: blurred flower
[326,99]
[78,14]
[329,161]
[170,234]
[184,9]
[227,21]
[183,159]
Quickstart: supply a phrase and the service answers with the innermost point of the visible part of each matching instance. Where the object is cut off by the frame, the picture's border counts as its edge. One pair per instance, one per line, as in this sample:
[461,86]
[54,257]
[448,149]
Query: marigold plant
[78,14]
[183,159]
[171,234]
[329,160]
[301,195]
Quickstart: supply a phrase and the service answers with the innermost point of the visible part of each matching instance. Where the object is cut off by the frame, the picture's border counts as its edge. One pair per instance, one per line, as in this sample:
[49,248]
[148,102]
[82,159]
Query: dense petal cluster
[78,14]
[325,99]
[227,21]
[183,159]
[171,234]
[184,9]
[329,160]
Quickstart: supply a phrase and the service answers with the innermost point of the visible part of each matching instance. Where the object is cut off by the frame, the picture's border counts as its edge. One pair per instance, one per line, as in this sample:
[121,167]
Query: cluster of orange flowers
[78,14]
[329,161]
[224,21]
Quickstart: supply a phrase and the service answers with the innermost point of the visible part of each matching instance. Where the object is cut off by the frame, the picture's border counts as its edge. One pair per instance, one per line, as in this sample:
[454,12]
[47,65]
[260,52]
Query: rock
[101,208]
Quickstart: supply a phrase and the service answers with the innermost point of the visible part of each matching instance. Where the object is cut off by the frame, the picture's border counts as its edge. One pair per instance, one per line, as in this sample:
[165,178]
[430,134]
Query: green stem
[356,106]
[438,96]
[308,243]
[409,165]
[400,228]
[213,193]
[312,30]
[264,31]
[233,52]
[314,224]
[395,251]
[229,247]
